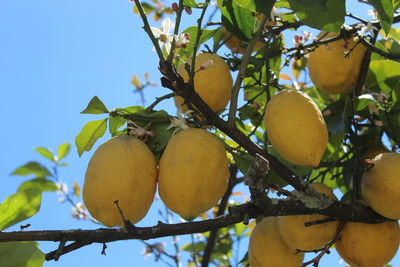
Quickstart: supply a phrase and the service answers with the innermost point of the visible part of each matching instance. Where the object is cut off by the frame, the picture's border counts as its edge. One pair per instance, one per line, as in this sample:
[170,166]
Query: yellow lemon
[330,69]
[194,173]
[213,84]
[380,185]
[298,236]
[123,169]
[267,248]
[368,245]
[296,128]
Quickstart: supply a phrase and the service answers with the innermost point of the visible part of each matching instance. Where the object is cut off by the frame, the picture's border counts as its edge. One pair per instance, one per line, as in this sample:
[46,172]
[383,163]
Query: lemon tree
[260,142]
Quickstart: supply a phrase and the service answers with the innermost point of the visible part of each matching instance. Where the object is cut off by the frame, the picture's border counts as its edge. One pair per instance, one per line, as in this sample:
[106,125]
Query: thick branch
[264,206]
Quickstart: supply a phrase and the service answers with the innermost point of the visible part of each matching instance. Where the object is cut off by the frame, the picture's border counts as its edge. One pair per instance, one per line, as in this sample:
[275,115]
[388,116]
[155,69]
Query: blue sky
[54,57]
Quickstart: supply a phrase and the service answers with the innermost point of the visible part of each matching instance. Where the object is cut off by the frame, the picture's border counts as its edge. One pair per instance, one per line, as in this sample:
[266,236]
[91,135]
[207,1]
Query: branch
[281,207]
[242,72]
[147,29]
[380,52]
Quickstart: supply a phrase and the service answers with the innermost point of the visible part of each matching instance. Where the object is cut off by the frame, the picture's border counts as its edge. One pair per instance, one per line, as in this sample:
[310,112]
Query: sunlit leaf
[42,184]
[32,168]
[45,153]
[19,206]
[63,151]
[385,12]
[259,6]
[115,124]
[95,106]
[21,254]
[90,133]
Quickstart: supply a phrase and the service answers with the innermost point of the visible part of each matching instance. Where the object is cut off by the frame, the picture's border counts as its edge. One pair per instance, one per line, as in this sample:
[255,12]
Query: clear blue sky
[54,57]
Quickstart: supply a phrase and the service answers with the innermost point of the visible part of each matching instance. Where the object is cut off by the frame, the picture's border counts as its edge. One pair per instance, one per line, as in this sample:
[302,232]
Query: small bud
[327,112]
[163,38]
[256,105]
[206,64]
[175,6]
[378,123]
[246,96]
[188,10]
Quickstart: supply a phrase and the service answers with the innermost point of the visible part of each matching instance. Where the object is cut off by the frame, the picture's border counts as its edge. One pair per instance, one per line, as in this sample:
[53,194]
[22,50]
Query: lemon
[213,84]
[380,185]
[193,173]
[123,169]
[368,245]
[298,236]
[296,128]
[267,248]
[330,69]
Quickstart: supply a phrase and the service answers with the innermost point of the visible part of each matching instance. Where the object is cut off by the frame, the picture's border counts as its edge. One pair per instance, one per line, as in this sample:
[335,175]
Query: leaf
[159,141]
[45,153]
[42,184]
[192,31]
[63,151]
[129,110]
[92,131]
[21,254]
[385,13]
[19,206]
[382,70]
[243,161]
[363,101]
[326,15]
[114,124]
[237,20]
[190,3]
[259,6]
[95,106]
[32,167]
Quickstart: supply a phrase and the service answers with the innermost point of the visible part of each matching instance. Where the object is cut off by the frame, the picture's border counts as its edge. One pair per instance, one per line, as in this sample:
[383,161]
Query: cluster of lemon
[297,130]
[193,173]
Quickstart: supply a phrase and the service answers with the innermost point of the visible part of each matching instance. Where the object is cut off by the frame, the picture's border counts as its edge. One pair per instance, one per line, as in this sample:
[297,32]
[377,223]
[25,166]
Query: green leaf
[190,3]
[385,13]
[92,131]
[95,106]
[63,151]
[32,167]
[259,6]
[129,110]
[19,206]
[326,15]
[114,124]
[363,101]
[21,254]
[243,161]
[237,20]
[45,153]
[42,184]
[382,70]
[192,31]
[159,141]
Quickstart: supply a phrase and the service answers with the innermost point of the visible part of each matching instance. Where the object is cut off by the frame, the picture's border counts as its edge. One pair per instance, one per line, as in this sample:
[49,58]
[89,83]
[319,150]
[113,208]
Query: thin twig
[159,99]
[242,73]
[147,29]
[176,30]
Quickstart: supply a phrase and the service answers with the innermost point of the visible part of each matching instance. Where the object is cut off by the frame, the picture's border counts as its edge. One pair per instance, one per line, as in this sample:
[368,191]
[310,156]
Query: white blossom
[163,35]
[366,29]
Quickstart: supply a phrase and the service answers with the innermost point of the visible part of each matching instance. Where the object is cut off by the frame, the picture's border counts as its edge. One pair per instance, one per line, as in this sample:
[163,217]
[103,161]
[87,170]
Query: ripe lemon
[235,44]
[213,84]
[330,70]
[380,185]
[368,245]
[194,173]
[123,169]
[267,248]
[298,236]
[296,128]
